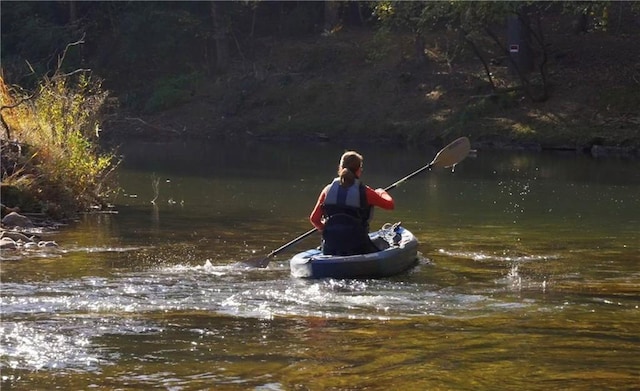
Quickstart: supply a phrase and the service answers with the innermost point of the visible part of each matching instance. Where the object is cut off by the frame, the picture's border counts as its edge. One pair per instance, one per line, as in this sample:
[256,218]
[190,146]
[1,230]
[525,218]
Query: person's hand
[382,193]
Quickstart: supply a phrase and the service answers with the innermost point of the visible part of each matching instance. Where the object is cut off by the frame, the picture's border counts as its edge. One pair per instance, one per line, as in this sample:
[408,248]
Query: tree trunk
[419,44]
[580,24]
[476,51]
[519,44]
[221,38]
[73,14]
[330,15]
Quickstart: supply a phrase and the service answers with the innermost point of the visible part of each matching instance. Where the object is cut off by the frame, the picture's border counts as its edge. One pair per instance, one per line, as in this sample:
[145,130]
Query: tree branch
[152,126]
[69,45]
[465,36]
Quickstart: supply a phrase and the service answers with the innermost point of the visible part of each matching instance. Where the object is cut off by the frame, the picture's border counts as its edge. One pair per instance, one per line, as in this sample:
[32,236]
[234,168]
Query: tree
[476,22]
[220,34]
[415,17]
[480,19]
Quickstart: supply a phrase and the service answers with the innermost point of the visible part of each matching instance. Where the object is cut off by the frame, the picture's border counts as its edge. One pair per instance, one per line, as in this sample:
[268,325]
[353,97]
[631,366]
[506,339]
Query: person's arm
[379,197]
[316,214]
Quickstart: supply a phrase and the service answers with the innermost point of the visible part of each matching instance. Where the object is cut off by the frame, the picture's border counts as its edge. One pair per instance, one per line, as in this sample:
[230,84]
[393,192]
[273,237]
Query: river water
[528,278]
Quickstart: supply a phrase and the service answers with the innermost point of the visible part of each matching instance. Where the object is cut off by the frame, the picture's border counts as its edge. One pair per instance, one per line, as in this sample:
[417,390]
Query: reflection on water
[522,284]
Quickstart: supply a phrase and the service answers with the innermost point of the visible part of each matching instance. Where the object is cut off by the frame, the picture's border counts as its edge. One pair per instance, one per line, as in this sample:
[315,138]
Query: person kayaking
[344,209]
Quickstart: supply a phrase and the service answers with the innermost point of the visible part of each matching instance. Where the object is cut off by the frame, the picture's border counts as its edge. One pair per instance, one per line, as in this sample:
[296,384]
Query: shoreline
[480,143]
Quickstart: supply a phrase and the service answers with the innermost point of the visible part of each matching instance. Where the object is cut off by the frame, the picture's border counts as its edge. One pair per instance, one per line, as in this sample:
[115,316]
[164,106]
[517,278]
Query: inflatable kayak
[398,253]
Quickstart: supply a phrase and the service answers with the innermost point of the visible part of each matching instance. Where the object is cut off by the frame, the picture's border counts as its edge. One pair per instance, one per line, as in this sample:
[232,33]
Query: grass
[52,163]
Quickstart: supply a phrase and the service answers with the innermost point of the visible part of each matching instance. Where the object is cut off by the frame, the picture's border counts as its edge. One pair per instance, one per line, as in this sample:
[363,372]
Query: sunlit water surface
[528,279]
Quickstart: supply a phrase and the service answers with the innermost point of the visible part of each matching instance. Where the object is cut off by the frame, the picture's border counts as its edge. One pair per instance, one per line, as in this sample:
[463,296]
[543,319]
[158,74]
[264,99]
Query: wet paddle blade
[264,262]
[453,153]
[255,262]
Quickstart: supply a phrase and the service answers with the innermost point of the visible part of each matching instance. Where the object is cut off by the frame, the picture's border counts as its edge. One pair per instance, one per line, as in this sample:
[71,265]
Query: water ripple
[52,324]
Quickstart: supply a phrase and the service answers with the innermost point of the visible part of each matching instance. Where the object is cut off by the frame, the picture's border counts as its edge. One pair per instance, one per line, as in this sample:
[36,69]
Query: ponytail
[347,177]
[350,163]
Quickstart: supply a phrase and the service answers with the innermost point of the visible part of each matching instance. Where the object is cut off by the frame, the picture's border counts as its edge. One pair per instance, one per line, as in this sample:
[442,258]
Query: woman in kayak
[344,208]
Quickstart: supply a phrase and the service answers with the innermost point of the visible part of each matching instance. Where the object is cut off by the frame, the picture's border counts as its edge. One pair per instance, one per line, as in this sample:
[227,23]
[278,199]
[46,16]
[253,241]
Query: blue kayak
[398,253]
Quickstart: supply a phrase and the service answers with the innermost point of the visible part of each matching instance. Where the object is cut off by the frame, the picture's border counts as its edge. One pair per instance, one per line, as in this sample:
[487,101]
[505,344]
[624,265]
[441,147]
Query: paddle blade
[453,153]
[255,262]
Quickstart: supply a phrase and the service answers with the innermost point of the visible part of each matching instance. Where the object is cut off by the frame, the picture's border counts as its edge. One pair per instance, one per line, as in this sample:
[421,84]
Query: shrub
[59,163]
[172,91]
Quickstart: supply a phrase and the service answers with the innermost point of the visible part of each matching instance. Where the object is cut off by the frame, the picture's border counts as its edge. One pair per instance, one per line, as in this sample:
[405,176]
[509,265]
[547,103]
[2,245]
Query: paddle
[448,156]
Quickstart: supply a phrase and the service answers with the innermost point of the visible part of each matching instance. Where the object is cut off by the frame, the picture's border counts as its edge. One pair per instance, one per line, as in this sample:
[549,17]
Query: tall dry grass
[58,164]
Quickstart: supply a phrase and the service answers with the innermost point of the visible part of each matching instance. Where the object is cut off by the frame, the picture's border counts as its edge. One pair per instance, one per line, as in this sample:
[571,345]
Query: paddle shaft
[416,172]
[450,155]
[291,243]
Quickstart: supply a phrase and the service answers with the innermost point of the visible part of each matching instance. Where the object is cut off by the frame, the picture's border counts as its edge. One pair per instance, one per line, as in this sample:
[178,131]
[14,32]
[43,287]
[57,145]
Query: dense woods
[535,74]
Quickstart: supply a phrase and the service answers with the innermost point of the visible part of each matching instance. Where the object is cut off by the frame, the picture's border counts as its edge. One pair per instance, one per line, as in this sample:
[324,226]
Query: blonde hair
[350,163]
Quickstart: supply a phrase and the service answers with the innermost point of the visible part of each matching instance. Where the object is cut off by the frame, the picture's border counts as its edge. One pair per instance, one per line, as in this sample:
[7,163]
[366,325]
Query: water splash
[60,344]
[485,257]
[54,324]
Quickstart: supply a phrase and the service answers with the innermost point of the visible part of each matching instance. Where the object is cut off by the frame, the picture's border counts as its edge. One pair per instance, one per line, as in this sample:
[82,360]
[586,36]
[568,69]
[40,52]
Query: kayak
[398,253]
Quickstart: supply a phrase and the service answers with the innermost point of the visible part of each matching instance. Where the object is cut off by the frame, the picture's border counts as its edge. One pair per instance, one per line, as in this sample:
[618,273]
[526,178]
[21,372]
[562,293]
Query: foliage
[285,72]
[30,33]
[418,17]
[381,45]
[597,11]
[59,163]
[475,22]
[171,91]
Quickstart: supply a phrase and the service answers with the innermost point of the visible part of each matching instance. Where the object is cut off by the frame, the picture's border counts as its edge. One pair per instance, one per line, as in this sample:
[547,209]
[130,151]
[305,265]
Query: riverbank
[328,89]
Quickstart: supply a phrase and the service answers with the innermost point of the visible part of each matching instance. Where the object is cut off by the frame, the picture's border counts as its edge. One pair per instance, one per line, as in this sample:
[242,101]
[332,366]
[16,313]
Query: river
[528,278]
